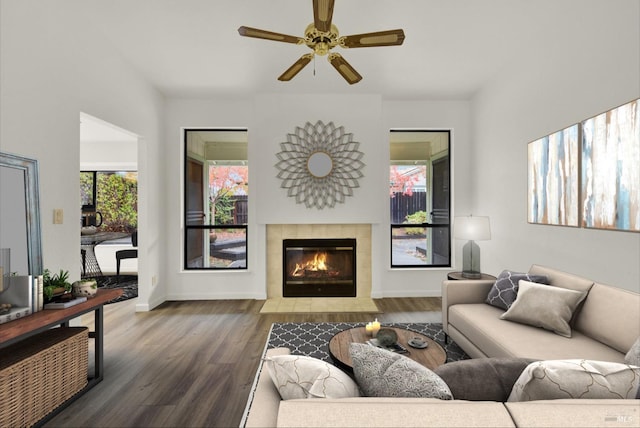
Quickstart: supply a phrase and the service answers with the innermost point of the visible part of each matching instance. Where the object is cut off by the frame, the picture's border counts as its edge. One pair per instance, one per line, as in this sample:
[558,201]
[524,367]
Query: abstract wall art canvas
[553,168]
[610,172]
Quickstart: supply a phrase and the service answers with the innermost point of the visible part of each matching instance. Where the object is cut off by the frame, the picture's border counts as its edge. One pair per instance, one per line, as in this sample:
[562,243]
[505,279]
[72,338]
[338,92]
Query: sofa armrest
[263,409]
[462,291]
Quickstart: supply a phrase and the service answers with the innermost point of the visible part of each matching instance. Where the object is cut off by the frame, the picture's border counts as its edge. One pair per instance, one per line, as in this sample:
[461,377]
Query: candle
[375,326]
[369,328]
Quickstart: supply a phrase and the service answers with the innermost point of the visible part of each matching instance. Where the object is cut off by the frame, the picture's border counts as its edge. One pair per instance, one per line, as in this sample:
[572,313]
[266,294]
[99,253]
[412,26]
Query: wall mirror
[320,164]
[20,215]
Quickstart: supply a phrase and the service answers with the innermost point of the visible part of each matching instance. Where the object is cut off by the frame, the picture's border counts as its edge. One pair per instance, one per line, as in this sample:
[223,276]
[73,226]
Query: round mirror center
[320,164]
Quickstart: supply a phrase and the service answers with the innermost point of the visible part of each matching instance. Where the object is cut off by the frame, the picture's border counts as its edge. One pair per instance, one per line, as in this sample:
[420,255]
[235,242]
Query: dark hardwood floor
[192,364]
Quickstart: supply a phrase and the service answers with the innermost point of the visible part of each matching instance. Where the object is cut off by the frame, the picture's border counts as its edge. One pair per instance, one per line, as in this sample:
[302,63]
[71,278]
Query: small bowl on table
[85,288]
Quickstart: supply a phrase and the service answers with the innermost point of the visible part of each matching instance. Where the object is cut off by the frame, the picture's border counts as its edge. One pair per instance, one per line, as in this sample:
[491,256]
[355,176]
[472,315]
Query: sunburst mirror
[320,164]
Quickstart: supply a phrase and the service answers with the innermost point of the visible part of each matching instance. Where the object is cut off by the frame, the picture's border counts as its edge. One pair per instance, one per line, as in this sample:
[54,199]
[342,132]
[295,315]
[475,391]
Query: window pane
[420,246]
[87,197]
[409,246]
[419,195]
[228,248]
[110,200]
[117,200]
[216,198]
[228,190]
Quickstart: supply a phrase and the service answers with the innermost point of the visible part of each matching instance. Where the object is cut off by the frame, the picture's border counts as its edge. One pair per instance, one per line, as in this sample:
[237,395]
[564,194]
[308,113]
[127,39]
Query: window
[419,198]
[216,197]
[110,200]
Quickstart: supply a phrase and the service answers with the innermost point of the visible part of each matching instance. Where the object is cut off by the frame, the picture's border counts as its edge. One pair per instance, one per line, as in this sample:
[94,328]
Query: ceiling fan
[321,36]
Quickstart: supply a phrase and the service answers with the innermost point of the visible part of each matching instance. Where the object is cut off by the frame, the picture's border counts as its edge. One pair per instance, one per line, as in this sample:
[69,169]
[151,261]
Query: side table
[458,276]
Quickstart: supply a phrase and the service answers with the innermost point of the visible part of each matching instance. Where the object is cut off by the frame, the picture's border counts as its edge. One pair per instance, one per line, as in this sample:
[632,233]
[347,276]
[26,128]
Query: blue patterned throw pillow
[505,290]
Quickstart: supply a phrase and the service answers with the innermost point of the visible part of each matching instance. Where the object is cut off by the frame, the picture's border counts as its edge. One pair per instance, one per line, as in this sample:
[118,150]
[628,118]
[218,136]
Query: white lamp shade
[472,228]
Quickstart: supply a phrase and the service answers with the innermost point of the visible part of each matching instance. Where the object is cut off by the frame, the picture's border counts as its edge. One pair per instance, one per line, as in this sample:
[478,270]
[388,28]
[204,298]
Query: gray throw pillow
[505,290]
[381,373]
[545,306]
[482,379]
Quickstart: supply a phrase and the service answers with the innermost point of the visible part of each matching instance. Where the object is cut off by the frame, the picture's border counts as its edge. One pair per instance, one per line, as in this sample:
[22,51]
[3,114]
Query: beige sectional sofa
[604,327]
[607,325]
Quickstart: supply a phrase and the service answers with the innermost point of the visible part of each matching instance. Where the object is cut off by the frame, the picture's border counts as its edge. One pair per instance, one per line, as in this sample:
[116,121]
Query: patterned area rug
[128,283]
[312,339]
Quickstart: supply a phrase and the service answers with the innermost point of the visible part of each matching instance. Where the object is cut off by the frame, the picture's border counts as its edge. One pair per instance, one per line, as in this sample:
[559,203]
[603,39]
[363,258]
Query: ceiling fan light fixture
[321,36]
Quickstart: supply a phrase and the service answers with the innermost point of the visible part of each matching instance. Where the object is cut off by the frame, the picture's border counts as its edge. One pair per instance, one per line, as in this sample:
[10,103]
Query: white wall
[54,66]
[269,118]
[594,65]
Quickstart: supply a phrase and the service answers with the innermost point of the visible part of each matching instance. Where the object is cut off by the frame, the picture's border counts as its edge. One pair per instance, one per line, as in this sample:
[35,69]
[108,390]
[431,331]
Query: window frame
[429,225]
[206,164]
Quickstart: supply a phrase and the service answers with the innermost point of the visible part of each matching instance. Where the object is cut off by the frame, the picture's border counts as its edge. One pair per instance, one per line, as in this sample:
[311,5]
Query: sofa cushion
[297,376]
[382,373]
[574,413]
[481,323]
[505,290]
[544,306]
[392,412]
[562,279]
[633,356]
[578,379]
[482,379]
[611,316]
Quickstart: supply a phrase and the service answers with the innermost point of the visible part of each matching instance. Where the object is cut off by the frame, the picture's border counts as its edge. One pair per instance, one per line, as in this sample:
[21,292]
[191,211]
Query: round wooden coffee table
[431,357]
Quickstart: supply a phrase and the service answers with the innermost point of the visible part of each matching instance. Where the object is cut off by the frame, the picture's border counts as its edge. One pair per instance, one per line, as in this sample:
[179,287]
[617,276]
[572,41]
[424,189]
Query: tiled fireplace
[336,236]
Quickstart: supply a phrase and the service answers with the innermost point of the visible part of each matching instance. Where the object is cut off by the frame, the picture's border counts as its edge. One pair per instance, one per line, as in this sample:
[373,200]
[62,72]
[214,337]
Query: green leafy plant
[51,282]
[418,217]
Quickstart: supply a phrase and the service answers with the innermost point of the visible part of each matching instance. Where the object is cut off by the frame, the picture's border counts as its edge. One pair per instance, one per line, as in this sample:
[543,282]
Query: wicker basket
[40,373]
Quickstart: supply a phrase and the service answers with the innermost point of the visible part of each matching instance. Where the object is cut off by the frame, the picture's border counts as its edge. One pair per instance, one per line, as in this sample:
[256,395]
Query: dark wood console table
[15,331]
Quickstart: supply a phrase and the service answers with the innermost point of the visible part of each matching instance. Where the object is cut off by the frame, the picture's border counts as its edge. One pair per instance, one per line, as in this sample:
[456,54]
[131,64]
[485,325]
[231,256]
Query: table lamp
[472,229]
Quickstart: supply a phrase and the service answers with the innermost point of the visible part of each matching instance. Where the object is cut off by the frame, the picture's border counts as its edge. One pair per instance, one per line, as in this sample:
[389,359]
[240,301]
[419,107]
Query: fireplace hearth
[319,268]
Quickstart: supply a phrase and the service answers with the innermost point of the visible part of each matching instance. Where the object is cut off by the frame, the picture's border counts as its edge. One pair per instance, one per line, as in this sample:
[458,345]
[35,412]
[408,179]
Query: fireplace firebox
[319,268]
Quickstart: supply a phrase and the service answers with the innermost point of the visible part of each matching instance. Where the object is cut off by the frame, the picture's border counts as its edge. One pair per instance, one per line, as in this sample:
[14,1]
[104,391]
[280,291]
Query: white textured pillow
[382,373]
[556,379]
[544,306]
[297,376]
[633,356]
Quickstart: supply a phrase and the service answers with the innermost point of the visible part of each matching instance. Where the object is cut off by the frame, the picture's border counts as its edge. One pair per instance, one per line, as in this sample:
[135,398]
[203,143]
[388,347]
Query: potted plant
[55,284]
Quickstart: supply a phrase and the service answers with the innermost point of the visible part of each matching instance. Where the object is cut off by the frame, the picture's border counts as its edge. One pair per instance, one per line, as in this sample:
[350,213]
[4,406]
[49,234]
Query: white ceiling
[452,48]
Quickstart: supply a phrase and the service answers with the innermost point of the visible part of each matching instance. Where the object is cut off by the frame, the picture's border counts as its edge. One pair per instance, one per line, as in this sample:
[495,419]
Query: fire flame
[318,263]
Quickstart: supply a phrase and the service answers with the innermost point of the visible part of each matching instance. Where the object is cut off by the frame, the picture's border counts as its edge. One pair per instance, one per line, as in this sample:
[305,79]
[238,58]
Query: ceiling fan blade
[344,68]
[322,14]
[268,35]
[291,72]
[380,38]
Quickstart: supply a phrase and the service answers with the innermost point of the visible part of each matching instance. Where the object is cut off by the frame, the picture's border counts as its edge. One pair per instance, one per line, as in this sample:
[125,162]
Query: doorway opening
[109,197]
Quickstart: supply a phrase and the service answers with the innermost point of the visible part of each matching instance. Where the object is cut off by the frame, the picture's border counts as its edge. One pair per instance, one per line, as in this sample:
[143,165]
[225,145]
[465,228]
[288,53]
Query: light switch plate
[58,216]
